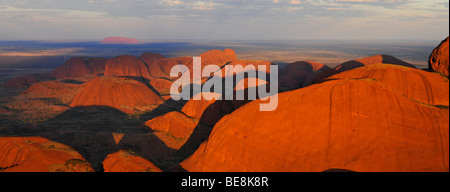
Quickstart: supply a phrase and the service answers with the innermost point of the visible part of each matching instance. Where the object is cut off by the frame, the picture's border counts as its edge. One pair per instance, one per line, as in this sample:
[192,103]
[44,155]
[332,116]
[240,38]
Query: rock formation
[439,58]
[208,112]
[161,85]
[124,94]
[413,83]
[175,123]
[79,66]
[125,161]
[216,57]
[300,74]
[21,82]
[127,66]
[370,61]
[161,68]
[149,57]
[37,154]
[360,125]
[62,91]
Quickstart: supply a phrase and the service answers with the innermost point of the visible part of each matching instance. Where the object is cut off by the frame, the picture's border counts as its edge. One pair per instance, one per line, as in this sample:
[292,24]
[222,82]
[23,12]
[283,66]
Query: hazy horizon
[51,54]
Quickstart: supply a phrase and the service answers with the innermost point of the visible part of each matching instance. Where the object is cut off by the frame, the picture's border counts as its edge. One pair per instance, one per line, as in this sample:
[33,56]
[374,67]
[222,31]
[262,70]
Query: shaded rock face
[79,66]
[418,85]
[127,66]
[439,58]
[124,94]
[37,154]
[370,61]
[300,74]
[119,40]
[208,112]
[350,124]
[149,59]
[366,61]
[125,161]
[22,82]
[162,86]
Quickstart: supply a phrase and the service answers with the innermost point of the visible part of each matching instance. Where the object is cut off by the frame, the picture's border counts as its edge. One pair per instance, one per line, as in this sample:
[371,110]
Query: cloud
[201,5]
[295,2]
[216,19]
[359,1]
[172,2]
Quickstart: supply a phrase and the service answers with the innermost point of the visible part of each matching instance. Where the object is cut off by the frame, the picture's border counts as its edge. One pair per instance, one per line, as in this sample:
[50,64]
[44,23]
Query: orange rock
[245,87]
[162,86]
[439,58]
[125,161]
[124,94]
[127,66]
[118,137]
[370,61]
[177,124]
[358,125]
[415,84]
[219,58]
[37,154]
[161,68]
[79,66]
[149,57]
[250,82]
[64,92]
[208,112]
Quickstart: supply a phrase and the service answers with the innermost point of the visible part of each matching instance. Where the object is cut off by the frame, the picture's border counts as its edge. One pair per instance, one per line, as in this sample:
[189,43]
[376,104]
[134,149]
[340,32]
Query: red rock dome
[124,94]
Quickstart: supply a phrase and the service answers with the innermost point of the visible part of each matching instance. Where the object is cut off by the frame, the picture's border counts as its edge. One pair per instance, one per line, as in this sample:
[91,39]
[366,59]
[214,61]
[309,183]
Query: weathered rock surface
[37,154]
[127,66]
[439,58]
[79,66]
[359,125]
[59,90]
[175,123]
[124,94]
[161,68]
[125,161]
[208,112]
[415,84]
[370,61]
[161,85]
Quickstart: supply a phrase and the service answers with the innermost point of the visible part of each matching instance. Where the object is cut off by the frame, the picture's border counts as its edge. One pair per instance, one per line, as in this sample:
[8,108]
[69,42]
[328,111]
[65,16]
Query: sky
[224,19]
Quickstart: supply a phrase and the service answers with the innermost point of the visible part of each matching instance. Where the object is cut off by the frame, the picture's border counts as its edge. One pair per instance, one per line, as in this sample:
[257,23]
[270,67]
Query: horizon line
[143,41]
